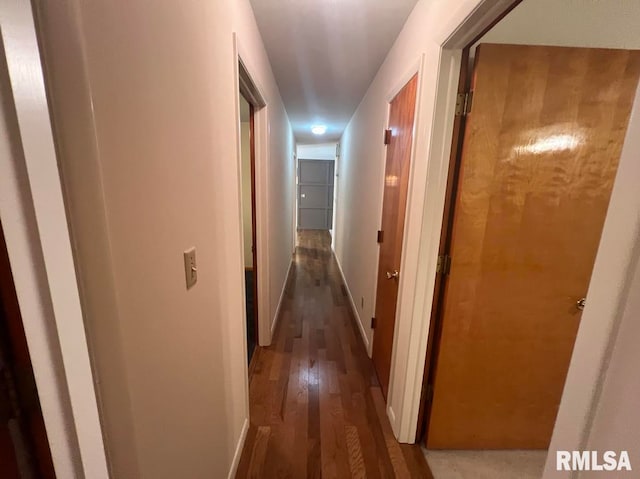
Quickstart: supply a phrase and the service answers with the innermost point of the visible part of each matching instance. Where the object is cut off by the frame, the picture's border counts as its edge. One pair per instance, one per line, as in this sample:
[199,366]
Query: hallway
[316,407]
[162,166]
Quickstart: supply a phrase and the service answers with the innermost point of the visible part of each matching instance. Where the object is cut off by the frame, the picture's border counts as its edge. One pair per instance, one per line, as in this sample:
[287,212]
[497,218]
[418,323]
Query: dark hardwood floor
[316,405]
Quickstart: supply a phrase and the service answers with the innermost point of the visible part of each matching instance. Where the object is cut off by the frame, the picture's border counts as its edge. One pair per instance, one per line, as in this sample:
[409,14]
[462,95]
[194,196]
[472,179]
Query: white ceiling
[324,55]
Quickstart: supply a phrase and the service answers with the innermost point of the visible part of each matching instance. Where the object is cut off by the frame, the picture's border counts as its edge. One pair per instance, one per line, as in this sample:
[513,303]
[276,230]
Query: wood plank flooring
[317,410]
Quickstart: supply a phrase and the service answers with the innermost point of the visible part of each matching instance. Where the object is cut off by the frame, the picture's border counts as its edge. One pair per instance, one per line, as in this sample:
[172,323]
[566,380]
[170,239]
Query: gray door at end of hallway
[315,194]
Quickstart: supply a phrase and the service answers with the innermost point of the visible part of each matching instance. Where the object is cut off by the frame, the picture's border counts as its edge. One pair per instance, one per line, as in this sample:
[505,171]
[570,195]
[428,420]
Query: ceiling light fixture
[318,129]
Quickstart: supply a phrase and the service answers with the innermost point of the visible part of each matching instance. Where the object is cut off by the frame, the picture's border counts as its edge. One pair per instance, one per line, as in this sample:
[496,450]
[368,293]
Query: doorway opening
[247,152]
[24,447]
[251,131]
[540,124]
[315,181]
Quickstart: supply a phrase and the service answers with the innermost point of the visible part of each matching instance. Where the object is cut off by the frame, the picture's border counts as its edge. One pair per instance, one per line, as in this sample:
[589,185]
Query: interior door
[315,194]
[396,182]
[539,157]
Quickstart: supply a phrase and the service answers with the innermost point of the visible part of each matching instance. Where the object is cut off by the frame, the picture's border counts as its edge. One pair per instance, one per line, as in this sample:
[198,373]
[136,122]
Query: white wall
[616,425]
[146,114]
[616,422]
[321,151]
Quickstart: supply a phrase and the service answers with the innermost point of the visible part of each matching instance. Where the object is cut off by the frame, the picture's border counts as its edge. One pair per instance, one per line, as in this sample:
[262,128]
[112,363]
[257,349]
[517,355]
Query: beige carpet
[486,464]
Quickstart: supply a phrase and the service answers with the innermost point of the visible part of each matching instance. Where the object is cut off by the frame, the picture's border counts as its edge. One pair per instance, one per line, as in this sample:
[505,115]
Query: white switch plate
[190,269]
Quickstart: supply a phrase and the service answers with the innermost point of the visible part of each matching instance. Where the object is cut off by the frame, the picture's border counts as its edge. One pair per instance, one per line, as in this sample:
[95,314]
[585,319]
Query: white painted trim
[294,212]
[238,129]
[366,342]
[409,270]
[403,79]
[410,348]
[261,130]
[29,276]
[391,414]
[276,317]
[238,451]
[57,288]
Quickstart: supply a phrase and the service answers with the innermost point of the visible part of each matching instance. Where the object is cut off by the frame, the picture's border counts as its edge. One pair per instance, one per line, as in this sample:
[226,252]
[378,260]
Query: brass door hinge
[387,137]
[463,103]
[373,323]
[444,264]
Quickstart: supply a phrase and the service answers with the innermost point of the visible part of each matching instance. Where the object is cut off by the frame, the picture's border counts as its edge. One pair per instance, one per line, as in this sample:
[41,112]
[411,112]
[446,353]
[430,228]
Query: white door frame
[608,282]
[261,172]
[35,226]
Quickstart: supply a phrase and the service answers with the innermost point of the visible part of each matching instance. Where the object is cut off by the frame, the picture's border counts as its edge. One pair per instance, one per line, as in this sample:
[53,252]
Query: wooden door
[539,157]
[396,182]
[24,448]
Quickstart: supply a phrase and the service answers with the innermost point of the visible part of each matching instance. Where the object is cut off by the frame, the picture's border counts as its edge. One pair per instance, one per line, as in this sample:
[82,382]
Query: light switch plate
[190,269]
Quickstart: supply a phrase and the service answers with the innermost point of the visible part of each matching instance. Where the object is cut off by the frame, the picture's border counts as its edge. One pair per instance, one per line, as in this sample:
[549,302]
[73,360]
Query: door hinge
[444,264]
[387,137]
[374,323]
[463,103]
[380,236]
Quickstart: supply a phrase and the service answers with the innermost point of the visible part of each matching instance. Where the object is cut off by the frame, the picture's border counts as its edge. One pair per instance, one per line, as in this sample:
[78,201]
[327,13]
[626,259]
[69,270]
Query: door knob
[581,303]
[393,275]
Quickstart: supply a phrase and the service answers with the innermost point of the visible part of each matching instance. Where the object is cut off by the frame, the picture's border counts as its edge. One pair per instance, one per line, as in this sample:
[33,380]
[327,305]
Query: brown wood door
[24,448]
[396,181]
[539,157]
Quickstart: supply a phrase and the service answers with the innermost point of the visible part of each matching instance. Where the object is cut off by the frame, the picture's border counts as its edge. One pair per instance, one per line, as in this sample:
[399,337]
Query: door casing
[390,237]
[253,94]
[453,170]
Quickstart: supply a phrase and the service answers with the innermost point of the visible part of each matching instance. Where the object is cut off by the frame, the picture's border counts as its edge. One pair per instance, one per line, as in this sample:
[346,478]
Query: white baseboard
[276,317]
[365,340]
[238,452]
[392,419]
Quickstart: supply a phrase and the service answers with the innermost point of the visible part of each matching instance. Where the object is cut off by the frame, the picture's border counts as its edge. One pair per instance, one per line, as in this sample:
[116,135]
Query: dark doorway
[247,151]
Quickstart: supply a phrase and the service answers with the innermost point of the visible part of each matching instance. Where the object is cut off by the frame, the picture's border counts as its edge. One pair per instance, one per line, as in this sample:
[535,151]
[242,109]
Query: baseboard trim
[276,317]
[392,417]
[238,452]
[363,335]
